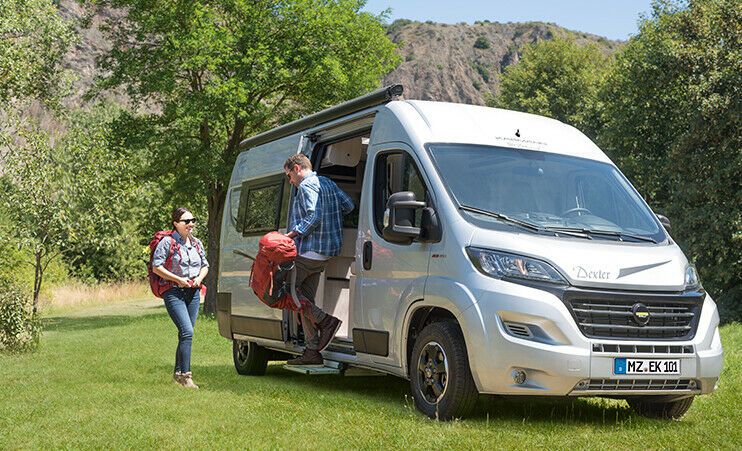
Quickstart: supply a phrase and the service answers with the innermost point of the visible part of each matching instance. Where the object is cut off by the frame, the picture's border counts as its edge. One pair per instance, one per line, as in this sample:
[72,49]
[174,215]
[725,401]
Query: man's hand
[292,234]
[183,282]
[197,282]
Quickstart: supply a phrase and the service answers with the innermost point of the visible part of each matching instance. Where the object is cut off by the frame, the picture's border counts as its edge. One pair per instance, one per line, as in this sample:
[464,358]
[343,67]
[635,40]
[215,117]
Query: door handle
[367,255]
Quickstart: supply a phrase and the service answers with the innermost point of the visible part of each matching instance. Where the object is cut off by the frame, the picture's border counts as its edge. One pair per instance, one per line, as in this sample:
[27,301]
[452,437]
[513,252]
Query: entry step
[312,370]
[331,367]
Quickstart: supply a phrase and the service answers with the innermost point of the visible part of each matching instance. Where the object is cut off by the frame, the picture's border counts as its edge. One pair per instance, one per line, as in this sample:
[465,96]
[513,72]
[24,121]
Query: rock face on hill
[455,63]
[462,63]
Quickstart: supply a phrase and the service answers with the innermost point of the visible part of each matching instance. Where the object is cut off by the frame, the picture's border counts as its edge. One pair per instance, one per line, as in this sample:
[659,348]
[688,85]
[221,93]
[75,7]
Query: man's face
[294,175]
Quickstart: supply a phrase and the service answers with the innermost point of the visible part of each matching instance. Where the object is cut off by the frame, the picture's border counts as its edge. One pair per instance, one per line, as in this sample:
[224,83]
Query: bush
[482,43]
[730,305]
[20,330]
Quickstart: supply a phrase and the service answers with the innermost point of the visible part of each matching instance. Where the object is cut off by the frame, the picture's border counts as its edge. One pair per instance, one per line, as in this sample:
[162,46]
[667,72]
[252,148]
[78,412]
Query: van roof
[473,124]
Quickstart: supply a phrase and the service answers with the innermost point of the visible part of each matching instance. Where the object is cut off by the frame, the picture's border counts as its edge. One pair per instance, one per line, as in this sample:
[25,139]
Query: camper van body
[586,311]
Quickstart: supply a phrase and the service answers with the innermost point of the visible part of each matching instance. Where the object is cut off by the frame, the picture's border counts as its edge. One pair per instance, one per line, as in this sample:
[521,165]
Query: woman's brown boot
[187,380]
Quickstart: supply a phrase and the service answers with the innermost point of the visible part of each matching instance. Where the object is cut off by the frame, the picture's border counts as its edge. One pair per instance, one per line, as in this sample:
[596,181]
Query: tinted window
[396,172]
[262,205]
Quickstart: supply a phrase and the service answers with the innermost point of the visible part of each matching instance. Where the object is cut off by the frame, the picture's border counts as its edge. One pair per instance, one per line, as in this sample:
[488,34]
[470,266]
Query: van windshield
[553,193]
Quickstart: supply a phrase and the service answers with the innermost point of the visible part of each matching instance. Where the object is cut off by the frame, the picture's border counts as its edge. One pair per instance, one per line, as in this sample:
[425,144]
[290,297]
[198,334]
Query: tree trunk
[216,211]
[38,275]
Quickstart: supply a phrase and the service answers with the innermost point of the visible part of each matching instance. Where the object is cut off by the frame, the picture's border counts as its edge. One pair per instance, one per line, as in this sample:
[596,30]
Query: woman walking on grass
[187,272]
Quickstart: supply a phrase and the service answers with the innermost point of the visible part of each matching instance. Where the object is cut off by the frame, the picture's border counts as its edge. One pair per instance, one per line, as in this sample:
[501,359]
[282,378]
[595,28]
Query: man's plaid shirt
[316,215]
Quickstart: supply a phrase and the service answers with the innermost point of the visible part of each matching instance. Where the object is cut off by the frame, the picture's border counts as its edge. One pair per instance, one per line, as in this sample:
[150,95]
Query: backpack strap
[173,246]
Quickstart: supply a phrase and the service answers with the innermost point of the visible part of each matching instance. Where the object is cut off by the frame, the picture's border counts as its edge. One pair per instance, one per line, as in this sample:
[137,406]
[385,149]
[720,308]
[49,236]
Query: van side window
[396,172]
[263,205]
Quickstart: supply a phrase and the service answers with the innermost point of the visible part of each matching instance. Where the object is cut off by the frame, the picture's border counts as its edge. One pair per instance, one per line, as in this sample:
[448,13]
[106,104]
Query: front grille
[637,384]
[641,349]
[613,318]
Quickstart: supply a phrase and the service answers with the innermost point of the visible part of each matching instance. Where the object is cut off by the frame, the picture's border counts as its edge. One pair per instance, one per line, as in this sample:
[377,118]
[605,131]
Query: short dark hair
[178,213]
[299,159]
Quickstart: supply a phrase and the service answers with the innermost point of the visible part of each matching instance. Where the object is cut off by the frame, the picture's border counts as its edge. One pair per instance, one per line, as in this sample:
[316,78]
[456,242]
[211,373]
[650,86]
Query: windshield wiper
[502,217]
[619,235]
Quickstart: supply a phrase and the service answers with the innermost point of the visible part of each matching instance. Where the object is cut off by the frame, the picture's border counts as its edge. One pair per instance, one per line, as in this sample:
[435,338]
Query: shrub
[19,328]
[482,43]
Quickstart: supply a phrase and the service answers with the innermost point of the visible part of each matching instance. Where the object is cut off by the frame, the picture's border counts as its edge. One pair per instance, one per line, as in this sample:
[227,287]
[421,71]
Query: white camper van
[491,251]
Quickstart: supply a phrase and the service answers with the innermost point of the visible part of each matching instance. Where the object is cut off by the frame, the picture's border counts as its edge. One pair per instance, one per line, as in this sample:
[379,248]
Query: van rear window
[262,205]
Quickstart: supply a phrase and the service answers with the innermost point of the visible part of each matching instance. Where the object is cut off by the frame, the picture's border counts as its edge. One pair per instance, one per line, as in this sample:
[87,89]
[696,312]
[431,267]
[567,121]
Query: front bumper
[531,331]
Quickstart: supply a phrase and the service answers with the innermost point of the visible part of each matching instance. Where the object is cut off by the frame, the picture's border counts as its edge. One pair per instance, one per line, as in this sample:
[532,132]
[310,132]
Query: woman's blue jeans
[182,304]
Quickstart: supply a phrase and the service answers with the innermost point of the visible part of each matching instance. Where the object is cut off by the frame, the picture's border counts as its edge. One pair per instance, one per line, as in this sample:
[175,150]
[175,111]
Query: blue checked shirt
[316,215]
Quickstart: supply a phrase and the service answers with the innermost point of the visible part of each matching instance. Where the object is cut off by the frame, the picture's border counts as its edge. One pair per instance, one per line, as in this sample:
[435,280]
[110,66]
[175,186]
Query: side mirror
[399,218]
[665,222]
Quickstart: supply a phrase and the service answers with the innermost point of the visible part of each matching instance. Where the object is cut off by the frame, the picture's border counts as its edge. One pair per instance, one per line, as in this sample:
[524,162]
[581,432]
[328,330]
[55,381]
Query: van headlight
[504,265]
[692,281]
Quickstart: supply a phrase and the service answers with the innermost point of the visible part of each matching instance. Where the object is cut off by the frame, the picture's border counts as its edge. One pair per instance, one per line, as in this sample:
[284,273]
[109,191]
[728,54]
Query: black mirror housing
[399,217]
[665,222]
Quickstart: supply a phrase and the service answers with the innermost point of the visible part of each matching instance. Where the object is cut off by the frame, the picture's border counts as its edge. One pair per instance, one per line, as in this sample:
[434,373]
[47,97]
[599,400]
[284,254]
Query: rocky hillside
[462,63]
[455,63]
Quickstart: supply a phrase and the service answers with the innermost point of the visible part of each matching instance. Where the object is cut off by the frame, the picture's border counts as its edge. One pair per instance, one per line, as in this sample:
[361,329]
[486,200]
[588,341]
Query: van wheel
[658,407]
[250,359]
[440,378]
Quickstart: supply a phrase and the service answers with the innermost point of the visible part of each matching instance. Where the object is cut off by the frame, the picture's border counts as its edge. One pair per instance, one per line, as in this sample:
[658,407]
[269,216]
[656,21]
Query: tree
[221,71]
[556,78]
[34,198]
[33,40]
[672,122]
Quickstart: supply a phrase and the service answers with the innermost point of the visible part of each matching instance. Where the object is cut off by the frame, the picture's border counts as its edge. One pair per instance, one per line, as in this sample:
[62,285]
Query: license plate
[645,366]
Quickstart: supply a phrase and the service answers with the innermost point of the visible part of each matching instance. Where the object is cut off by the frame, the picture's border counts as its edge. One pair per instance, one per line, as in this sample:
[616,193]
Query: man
[316,225]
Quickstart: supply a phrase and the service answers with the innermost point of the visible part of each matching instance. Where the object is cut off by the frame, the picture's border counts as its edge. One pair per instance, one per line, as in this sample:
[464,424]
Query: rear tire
[440,378]
[250,359]
[659,408]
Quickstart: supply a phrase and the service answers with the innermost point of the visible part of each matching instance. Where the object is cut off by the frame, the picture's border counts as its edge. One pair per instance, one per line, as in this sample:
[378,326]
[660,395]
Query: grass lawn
[102,380]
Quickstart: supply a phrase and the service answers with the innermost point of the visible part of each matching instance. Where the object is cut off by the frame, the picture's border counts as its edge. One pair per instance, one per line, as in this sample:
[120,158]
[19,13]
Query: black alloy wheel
[250,359]
[440,379]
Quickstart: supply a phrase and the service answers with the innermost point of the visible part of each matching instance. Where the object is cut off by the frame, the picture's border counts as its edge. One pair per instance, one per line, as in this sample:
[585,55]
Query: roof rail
[377,97]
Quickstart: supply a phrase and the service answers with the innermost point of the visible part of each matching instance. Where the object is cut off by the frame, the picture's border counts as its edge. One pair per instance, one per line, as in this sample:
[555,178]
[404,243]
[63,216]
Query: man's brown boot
[328,327]
[187,380]
[310,357]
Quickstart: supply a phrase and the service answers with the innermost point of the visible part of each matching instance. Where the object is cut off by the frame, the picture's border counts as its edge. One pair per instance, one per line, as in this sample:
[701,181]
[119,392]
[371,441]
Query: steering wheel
[576,210]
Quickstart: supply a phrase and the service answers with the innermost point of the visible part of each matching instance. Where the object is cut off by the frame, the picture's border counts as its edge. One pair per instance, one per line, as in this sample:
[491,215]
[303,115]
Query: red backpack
[157,284]
[270,275]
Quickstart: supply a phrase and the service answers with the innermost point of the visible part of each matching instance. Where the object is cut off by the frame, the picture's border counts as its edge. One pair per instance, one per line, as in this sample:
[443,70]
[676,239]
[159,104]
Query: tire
[250,359]
[659,407]
[440,378]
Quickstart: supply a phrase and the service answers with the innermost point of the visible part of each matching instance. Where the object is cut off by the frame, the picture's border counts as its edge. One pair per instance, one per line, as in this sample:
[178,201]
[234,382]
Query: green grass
[102,379]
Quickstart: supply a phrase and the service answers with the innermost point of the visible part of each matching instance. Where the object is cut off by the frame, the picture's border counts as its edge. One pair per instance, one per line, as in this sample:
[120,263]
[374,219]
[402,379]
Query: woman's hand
[197,282]
[183,282]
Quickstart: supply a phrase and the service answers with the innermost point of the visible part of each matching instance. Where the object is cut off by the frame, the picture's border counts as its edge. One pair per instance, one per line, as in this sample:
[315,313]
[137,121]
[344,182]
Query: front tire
[659,407]
[440,378]
[250,359]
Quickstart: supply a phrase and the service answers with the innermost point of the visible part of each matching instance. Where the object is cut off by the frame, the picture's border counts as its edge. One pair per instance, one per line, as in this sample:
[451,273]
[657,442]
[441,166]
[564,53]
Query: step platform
[331,367]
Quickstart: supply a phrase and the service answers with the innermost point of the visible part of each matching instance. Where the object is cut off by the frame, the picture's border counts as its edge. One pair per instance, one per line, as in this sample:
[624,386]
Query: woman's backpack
[157,284]
[272,270]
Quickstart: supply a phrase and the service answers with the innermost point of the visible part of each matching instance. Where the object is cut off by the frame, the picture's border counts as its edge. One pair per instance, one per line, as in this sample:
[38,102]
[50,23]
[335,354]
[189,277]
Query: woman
[189,267]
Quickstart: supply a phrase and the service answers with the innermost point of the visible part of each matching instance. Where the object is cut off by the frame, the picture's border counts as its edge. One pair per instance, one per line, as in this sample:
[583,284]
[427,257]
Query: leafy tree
[555,78]
[105,199]
[672,122]
[221,71]
[34,198]
[33,39]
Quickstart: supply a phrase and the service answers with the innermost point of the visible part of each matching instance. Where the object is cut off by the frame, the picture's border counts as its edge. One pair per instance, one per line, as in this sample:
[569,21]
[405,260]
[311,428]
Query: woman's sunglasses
[188,221]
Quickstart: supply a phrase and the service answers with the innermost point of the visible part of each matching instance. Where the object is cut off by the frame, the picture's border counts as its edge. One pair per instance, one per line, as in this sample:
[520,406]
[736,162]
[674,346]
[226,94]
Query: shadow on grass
[79,323]
[394,393]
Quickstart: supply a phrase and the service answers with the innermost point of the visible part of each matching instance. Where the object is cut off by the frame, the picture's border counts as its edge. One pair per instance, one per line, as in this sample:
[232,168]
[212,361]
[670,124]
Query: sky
[614,19]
